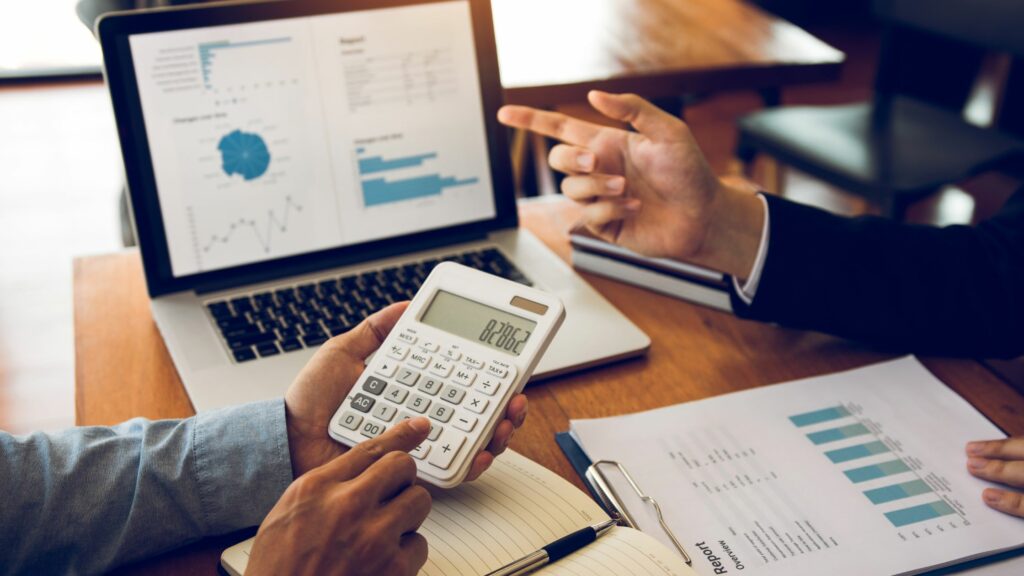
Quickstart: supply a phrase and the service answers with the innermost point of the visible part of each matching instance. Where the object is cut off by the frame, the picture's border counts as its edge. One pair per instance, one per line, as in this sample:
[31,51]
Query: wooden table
[553,51]
[123,369]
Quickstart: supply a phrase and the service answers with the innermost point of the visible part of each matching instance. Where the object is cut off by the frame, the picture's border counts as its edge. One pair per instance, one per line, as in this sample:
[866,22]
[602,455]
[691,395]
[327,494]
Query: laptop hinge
[286,270]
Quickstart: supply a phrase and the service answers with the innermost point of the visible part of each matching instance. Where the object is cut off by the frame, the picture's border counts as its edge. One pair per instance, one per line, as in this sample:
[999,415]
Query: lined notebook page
[515,508]
[622,552]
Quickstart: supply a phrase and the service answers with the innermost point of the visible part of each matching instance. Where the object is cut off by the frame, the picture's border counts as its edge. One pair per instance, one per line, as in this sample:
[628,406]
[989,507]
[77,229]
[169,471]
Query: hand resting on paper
[1000,461]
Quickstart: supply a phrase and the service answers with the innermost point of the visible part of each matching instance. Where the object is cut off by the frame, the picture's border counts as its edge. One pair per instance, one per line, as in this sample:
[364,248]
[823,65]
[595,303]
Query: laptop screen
[283,137]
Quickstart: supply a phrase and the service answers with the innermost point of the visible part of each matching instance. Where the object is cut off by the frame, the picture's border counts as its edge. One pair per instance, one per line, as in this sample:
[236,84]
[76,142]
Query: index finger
[402,437]
[1008,449]
[552,124]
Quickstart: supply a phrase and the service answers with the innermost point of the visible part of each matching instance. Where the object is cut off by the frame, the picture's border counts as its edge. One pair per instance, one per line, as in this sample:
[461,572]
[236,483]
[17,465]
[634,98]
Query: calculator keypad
[413,377]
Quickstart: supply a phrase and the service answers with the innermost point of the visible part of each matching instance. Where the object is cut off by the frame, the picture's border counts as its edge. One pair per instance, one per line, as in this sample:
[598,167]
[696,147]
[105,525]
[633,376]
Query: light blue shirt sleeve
[85,500]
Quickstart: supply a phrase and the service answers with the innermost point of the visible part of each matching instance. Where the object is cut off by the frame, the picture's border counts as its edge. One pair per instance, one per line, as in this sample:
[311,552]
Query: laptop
[294,166]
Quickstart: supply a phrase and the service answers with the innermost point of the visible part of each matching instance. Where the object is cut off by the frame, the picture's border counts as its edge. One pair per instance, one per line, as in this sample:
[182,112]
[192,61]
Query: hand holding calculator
[466,345]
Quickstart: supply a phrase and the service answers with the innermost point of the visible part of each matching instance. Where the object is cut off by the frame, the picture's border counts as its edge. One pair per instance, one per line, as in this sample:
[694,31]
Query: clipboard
[593,475]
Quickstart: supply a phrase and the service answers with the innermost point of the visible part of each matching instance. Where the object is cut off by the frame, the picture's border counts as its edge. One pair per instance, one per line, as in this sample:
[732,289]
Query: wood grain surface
[123,369]
[553,51]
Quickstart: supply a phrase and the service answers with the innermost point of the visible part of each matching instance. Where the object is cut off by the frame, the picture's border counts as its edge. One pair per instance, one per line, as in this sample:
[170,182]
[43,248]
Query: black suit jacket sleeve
[956,291]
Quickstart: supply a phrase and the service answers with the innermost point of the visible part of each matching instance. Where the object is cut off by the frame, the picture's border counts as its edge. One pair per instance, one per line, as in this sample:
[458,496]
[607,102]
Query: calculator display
[478,322]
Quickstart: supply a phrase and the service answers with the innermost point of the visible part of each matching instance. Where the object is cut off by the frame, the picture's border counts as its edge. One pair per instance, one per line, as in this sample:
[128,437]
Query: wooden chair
[912,138]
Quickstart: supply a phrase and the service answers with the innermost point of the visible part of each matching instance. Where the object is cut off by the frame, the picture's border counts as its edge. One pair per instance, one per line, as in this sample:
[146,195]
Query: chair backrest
[932,50]
[989,24]
[1011,111]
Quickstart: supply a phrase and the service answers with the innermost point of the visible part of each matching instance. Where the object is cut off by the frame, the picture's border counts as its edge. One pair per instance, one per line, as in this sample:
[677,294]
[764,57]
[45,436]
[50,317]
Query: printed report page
[850,474]
[276,138]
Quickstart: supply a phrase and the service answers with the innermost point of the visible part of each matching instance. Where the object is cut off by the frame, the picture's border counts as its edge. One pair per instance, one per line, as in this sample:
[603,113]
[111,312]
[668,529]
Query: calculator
[466,345]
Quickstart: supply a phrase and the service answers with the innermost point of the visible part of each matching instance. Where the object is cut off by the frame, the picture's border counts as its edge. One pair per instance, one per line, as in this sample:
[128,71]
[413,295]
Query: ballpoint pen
[556,550]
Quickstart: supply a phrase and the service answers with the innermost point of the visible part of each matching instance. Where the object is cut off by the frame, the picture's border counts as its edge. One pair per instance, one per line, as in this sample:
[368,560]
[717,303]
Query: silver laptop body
[278,145]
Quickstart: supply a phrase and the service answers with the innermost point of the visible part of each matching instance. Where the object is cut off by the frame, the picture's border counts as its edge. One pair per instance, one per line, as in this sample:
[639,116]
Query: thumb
[645,117]
[402,437]
[365,338]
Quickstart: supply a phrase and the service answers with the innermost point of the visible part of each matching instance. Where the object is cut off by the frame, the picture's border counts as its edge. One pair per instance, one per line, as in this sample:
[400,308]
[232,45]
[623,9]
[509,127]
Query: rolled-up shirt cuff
[242,463]
[748,290]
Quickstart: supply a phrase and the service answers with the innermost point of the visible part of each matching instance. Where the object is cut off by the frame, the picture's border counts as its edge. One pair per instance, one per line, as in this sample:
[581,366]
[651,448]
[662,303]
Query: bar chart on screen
[914,500]
[225,65]
[391,171]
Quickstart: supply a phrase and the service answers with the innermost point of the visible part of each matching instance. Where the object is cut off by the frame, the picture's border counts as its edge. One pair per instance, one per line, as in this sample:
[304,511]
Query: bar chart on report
[911,498]
[386,179]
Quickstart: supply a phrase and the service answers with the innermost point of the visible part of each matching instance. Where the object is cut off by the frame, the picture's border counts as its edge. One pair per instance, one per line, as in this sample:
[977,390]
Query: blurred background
[62,178]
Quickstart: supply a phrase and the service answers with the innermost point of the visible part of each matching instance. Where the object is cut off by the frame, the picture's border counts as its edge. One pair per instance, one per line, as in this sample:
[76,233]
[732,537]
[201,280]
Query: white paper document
[851,474]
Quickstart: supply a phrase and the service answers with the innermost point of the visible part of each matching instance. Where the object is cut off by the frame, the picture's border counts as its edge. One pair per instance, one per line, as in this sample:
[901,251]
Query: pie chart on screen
[244,154]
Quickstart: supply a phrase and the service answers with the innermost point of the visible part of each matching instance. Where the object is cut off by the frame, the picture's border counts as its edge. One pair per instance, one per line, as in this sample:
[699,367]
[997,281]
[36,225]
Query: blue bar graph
[207,52]
[865,473]
[379,191]
[897,491]
[375,164]
[818,416]
[900,518]
[858,451]
[841,433]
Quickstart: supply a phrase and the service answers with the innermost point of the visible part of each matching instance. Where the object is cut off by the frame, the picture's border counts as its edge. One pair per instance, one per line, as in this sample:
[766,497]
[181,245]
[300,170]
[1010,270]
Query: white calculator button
[372,429]
[403,416]
[384,412]
[419,359]
[396,394]
[441,368]
[398,351]
[420,452]
[452,394]
[477,404]
[446,449]
[473,362]
[429,385]
[465,423]
[452,353]
[435,431]
[350,420]
[464,376]
[407,337]
[387,368]
[496,371]
[408,377]
[441,413]
[418,403]
[430,346]
[489,385]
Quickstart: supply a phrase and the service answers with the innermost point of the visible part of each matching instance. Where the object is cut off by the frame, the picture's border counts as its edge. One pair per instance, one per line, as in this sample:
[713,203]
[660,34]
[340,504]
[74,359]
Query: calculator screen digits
[477,322]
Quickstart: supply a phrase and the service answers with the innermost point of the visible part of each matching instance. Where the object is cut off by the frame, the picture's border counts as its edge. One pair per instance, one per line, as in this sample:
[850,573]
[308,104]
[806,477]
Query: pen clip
[610,499]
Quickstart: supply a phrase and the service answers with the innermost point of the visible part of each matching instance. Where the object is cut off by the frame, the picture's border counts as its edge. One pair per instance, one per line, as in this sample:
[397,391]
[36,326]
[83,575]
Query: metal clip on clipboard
[610,500]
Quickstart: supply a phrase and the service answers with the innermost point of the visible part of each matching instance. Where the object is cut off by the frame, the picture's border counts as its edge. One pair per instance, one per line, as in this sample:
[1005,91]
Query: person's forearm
[950,291]
[88,499]
[735,220]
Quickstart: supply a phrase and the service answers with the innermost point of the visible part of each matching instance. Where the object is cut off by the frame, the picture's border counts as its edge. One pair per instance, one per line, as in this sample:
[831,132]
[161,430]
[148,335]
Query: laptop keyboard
[291,318]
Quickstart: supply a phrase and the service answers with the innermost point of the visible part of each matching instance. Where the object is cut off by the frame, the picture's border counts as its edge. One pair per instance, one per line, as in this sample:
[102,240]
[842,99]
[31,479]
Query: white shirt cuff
[748,290]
